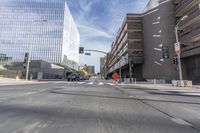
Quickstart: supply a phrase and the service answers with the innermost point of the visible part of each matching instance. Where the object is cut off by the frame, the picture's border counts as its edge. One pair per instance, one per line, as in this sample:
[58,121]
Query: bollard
[154,81]
[174,83]
[188,83]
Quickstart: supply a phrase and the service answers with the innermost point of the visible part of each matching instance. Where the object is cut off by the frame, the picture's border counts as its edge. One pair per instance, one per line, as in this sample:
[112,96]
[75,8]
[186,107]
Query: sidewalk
[195,90]
[8,81]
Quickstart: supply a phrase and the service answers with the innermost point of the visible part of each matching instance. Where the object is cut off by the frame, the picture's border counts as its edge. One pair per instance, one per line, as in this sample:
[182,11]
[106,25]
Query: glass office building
[46,28]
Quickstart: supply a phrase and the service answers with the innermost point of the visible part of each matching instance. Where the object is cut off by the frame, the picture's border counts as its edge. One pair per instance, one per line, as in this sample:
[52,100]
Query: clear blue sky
[98,22]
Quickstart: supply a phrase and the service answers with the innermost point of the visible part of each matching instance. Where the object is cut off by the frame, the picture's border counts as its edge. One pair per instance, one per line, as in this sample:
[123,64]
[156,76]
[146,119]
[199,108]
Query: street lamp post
[29,58]
[130,71]
[30,47]
[120,71]
[177,42]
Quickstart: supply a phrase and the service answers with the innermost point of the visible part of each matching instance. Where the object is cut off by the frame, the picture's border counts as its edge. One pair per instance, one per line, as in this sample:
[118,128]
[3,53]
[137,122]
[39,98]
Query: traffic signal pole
[29,56]
[179,50]
[98,51]
[120,70]
[178,56]
[82,50]
[30,45]
[130,71]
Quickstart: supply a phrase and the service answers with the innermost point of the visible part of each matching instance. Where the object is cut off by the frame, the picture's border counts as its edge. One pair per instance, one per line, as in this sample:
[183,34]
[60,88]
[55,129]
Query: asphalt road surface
[95,106]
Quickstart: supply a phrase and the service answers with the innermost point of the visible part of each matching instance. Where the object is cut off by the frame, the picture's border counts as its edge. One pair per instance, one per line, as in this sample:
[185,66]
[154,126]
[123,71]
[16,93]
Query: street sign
[177,48]
[88,54]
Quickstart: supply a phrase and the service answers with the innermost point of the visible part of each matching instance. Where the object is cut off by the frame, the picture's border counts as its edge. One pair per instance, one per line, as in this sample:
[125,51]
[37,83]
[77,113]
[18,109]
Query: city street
[95,106]
[55,55]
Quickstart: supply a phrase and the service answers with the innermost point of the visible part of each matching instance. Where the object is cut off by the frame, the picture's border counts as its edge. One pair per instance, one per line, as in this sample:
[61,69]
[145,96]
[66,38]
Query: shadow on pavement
[169,93]
[90,95]
[123,98]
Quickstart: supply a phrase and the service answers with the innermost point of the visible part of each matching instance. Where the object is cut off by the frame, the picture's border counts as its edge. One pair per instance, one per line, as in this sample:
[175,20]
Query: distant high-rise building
[90,69]
[102,65]
[44,27]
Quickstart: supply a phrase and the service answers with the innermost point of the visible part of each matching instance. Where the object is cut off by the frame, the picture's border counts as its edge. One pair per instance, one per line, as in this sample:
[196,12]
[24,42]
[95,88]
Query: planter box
[188,83]
[175,83]
[183,83]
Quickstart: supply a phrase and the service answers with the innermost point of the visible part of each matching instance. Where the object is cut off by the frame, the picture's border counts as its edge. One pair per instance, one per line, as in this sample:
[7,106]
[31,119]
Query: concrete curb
[150,86]
[13,82]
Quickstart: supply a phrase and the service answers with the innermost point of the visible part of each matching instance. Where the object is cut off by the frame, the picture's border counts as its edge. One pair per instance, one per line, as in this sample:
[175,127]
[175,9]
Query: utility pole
[120,70]
[130,71]
[29,59]
[178,56]
[177,47]
[30,46]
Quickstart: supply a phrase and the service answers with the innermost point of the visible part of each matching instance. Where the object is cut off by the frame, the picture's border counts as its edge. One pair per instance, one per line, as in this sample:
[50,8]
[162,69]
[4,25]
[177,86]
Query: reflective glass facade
[44,27]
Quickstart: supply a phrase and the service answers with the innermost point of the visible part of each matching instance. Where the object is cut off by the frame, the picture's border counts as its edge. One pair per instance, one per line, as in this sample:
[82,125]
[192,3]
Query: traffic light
[81,50]
[24,66]
[26,57]
[25,60]
[175,60]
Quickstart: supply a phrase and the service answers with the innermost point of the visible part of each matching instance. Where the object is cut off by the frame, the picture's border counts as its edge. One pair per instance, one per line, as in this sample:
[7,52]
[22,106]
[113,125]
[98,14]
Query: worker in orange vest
[115,76]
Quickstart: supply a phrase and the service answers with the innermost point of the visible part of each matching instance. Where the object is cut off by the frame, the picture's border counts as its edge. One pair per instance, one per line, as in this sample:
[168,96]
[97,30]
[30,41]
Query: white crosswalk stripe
[100,83]
[80,83]
[91,83]
[122,84]
[68,82]
[110,84]
[59,82]
[94,83]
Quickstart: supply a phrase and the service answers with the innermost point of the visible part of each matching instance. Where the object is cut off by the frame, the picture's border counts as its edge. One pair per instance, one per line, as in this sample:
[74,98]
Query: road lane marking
[29,128]
[110,84]
[69,82]
[181,122]
[122,84]
[80,83]
[58,82]
[100,83]
[91,83]
[25,94]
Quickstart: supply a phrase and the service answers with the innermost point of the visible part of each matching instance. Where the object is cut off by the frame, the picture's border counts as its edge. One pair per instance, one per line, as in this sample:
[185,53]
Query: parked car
[73,77]
[84,77]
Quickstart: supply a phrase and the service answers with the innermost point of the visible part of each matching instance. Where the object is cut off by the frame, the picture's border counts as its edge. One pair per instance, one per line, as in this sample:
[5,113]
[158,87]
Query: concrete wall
[46,69]
[158,31]
[193,68]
